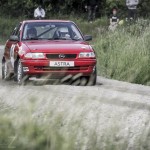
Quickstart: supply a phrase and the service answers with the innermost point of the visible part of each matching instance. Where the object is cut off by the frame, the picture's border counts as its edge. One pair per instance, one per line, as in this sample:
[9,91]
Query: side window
[16,31]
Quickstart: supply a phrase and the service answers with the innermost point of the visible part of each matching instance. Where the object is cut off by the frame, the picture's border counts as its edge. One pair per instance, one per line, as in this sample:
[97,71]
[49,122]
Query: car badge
[62,56]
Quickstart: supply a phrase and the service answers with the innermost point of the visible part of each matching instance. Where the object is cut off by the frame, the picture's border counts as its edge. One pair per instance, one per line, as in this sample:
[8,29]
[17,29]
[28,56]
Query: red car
[53,48]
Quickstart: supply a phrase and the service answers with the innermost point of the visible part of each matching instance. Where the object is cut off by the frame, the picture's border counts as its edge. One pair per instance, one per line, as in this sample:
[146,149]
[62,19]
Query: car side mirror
[87,37]
[14,38]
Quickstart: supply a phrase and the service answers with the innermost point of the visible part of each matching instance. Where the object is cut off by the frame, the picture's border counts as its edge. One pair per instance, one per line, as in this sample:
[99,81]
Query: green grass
[122,55]
[18,130]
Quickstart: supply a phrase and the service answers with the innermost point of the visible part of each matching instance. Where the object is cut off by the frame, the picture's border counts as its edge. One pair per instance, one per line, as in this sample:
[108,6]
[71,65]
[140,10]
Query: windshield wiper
[60,39]
[45,32]
[77,39]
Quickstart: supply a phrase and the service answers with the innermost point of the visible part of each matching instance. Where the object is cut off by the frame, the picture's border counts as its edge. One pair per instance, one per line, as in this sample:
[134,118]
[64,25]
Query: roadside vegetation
[125,54]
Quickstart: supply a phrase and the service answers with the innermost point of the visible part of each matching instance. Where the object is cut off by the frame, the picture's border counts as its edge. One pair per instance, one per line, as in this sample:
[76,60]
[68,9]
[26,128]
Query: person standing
[39,13]
[132,9]
[114,20]
[91,7]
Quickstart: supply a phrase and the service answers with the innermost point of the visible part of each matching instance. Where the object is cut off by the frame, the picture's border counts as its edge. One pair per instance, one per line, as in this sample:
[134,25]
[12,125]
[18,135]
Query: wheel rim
[19,73]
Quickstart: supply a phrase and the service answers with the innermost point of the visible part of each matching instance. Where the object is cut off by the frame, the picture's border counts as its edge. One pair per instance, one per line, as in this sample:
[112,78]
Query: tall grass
[125,54]
[18,130]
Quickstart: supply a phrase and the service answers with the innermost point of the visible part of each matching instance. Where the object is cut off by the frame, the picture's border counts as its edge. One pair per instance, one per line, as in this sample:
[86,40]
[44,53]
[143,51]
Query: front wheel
[89,80]
[20,76]
[93,78]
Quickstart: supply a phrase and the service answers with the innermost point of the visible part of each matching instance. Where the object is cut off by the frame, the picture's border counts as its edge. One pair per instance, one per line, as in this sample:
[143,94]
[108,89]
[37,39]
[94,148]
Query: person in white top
[132,7]
[39,13]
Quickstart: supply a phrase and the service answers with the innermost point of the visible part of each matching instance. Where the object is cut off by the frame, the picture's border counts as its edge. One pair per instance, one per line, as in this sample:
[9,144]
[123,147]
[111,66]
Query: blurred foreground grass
[20,129]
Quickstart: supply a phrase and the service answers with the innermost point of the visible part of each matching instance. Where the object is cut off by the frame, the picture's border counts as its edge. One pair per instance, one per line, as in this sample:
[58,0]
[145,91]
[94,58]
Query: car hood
[64,46]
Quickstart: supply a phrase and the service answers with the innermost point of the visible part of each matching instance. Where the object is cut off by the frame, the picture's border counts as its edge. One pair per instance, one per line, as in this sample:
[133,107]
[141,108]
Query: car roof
[27,21]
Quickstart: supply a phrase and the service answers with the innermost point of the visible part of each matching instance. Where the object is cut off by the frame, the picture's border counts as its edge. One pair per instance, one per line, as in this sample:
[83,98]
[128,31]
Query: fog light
[25,69]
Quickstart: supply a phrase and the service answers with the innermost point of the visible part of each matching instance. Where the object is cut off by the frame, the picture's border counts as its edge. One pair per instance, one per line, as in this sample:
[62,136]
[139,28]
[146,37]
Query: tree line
[16,8]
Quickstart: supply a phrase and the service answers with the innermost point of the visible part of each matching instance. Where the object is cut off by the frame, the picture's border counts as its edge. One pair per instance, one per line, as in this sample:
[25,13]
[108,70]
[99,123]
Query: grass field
[125,54]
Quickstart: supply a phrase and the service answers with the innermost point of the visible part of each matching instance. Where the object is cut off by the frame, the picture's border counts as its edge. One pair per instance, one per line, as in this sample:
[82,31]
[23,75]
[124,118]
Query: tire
[5,74]
[20,76]
[15,70]
[89,80]
[84,81]
[93,78]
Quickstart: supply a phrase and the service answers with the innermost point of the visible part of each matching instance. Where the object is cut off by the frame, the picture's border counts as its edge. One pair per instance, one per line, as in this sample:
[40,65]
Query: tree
[26,7]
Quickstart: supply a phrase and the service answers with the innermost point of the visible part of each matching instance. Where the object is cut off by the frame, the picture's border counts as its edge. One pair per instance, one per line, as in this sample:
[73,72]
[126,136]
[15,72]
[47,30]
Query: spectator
[91,6]
[39,13]
[114,20]
[132,7]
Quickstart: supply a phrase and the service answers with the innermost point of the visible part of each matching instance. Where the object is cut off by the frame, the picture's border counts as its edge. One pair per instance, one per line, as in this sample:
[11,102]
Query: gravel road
[110,107]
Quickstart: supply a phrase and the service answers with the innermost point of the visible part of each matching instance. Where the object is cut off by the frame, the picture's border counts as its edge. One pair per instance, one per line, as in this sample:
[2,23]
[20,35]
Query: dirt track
[101,108]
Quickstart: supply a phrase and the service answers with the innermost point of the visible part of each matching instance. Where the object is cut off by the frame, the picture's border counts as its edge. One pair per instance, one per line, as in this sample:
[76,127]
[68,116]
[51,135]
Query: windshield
[51,31]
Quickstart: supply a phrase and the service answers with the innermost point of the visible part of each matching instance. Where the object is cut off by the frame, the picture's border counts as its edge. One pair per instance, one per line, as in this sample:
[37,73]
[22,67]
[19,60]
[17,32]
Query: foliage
[6,26]
[144,8]
[26,7]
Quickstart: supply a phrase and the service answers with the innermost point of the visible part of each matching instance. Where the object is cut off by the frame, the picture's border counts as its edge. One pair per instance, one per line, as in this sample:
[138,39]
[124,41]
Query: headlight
[87,55]
[34,55]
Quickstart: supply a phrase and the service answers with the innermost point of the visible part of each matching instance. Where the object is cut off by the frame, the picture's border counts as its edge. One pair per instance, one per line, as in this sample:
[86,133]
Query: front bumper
[41,67]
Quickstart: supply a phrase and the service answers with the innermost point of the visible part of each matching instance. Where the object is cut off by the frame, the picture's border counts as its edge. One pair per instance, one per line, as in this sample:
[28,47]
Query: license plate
[61,63]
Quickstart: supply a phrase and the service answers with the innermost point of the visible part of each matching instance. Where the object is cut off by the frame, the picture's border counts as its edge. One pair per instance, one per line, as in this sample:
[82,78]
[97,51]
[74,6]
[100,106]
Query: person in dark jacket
[91,6]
